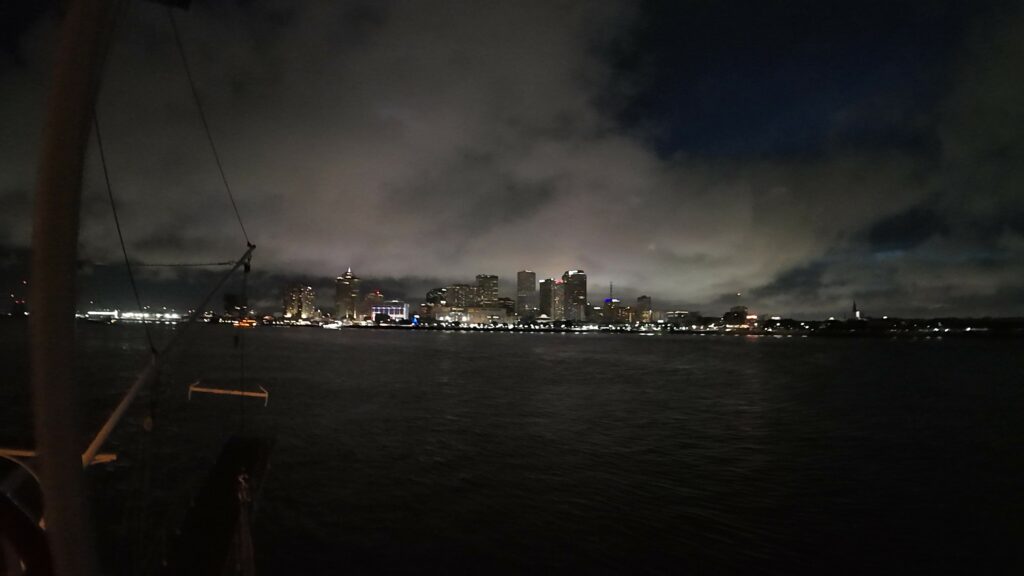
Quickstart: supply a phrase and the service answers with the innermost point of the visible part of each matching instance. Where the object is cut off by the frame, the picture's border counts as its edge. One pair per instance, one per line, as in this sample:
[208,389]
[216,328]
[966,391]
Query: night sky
[803,153]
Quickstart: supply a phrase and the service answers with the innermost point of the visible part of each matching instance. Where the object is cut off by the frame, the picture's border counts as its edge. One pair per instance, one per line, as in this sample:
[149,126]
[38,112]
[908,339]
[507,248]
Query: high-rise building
[545,299]
[558,301]
[526,292]
[299,302]
[462,295]
[373,298]
[610,311]
[487,290]
[644,309]
[575,282]
[346,296]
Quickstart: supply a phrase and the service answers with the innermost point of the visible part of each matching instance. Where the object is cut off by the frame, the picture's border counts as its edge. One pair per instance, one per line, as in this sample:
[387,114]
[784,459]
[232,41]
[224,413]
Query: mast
[55,223]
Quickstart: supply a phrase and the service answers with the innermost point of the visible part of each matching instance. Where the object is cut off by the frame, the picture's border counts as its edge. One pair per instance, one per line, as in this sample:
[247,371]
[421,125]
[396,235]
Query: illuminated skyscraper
[299,302]
[462,295]
[526,292]
[346,296]
[558,301]
[487,290]
[575,282]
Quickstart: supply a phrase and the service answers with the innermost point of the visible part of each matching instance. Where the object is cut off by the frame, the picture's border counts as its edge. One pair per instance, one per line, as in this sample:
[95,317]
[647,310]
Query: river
[462,452]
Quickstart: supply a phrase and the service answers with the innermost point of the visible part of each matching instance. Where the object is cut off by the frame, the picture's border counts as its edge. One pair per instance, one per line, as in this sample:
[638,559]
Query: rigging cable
[206,126]
[120,234]
[185,264]
[168,264]
[243,311]
[137,511]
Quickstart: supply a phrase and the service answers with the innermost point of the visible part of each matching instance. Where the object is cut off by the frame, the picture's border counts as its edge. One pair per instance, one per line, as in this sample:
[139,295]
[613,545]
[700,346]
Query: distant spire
[349,270]
[611,291]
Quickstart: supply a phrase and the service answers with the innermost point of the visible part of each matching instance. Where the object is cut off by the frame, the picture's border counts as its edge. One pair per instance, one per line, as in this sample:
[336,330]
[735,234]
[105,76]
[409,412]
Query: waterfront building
[508,305]
[609,312]
[450,314]
[736,317]
[644,310]
[486,315]
[427,311]
[526,292]
[546,297]
[346,296]
[299,302]
[575,303]
[437,296]
[392,310]
[487,290]
[683,318]
[625,315]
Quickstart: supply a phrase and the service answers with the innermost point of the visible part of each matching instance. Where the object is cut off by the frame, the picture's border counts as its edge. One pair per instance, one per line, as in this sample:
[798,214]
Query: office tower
[307,303]
[487,290]
[644,309]
[609,313]
[575,282]
[373,297]
[546,298]
[461,295]
[526,292]
[346,296]
[299,302]
[558,301]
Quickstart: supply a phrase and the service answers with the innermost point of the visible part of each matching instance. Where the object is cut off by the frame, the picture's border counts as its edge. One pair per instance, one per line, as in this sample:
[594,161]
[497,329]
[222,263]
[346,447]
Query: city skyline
[804,154]
[267,292]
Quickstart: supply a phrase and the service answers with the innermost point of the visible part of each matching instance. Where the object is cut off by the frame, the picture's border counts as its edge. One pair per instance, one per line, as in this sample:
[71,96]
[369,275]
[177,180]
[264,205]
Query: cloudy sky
[802,153]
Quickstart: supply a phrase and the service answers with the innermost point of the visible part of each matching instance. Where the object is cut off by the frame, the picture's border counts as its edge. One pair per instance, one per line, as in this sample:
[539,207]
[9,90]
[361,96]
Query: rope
[206,126]
[174,264]
[117,224]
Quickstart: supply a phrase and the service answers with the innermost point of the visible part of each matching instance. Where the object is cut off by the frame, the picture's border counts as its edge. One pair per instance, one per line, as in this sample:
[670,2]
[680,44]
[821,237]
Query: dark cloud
[802,282]
[803,155]
[906,230]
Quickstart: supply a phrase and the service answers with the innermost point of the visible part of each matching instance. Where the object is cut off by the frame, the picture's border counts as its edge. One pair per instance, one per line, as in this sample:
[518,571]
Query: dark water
[522,453]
